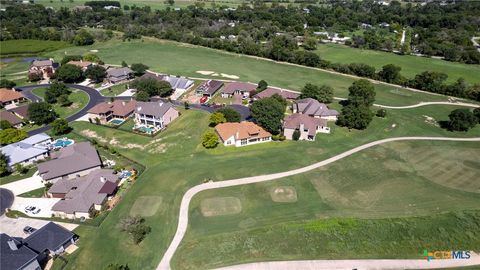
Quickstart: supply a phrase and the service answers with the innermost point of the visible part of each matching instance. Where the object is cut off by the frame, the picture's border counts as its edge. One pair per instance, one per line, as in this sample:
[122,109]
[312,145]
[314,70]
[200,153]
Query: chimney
[102,179]
[123,103]
[12,245]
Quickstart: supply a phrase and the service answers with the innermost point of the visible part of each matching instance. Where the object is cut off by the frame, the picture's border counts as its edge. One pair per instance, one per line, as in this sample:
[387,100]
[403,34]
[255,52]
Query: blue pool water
[126,174]
[116,121]
[147,130]
[60,143]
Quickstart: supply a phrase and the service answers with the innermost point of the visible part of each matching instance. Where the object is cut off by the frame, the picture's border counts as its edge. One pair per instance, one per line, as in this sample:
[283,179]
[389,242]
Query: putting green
[220,206]
[146,206]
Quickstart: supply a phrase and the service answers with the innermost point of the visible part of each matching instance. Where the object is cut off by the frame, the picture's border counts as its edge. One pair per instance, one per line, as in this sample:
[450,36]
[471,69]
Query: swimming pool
[63,142]
[144,129]
[116,121]
[125,174]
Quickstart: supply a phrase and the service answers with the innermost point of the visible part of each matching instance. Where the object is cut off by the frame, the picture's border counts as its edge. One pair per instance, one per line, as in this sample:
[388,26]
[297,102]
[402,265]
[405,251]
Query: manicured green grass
[30,46]
[15,71]
[115,90]
[16,176]
[36,193]
[175,161]
[411,65]
[78,98]
[338,202]
[184,59]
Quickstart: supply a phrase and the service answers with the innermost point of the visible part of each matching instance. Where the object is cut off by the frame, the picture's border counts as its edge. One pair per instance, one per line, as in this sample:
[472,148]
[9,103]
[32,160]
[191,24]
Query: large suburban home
[289,95]
[70,162]
[179,84]
[241,134]
[238,88]
[313,108]
[156,115]
[10,96]
[84,65]
[307,126]
[27,151]
[107,111]
[11,118]
[119,74]
[31,252]
[209,88]
[21,112]
[82,194]
[43,68]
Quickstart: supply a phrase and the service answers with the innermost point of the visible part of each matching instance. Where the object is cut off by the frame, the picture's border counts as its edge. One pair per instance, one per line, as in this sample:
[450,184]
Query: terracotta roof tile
[243,130]
[7,95]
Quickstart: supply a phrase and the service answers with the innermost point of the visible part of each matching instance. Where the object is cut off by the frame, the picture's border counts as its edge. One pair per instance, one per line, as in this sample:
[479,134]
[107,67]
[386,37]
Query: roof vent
[12,245]
[102,179]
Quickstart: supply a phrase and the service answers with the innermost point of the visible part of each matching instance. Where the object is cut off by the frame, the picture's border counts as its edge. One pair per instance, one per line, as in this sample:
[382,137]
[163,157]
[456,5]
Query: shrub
[210,139]
[296,135]
[381,113]
[461,120]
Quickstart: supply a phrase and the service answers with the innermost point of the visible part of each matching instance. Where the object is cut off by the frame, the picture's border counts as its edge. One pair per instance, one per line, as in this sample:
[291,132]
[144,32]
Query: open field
[30,46]
[15,71]
[175,161]
[339,205]
[411,65]
[114,90]
[78,98]
[183,59]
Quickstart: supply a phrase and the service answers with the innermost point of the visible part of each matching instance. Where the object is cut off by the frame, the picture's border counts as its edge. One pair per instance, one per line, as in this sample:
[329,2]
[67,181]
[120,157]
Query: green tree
[41,113]
[210,139]
[361,92]
[462,120]
[142,96]
[390,73]
[153,87]
[139,69]
[64,101]
[476,112]
[296,135]
[262,85]
[230,114]
[4,124]
[83,38]
[91,57]
[20,168]
[268,113]
[70,73]
[323,93]
[12,135]
[170,2]
[217,118]
[310,43]
[117,266]
[4,83]
[124,64]
[355,116]
[96,73]
[56,90]
[186,105]
[381,113]
[68,58]
[136,227]
[60,126]
[3,164]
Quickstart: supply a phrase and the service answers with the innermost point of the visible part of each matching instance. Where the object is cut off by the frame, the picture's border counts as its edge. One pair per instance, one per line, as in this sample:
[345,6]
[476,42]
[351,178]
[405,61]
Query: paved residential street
[25,185]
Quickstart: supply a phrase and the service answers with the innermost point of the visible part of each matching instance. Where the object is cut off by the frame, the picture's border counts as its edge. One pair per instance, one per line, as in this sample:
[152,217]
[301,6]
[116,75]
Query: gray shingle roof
[42,63]
[10,117]
[310,106]
[49,237]
[25,149]
[14,259]
[71,159]
[157,109]
[119,72]
[230,88]
[210,87]
[83,192]
[272,91]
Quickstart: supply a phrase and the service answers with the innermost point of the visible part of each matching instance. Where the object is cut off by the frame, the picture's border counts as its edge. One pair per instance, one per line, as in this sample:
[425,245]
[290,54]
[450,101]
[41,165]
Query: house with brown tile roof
[14,120]
[20,111]
[10,96]
[313,108]
[106,111]
[307,126]
[289,95]
[82,194]
[70,162]
[241,134]
[84,65]
[209,88]
[43,68]
[238,88]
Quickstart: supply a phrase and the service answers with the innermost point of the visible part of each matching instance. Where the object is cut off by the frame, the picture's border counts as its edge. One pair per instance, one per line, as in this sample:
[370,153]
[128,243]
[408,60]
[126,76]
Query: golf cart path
[184,206]
[356,264]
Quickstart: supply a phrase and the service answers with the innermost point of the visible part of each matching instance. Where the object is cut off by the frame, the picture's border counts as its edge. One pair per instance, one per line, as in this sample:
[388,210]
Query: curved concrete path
[184,206]
[464,104]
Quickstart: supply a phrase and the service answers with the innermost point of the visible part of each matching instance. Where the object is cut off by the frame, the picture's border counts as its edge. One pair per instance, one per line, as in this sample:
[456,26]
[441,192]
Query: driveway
[44,204]
[14,226]
[6,200]
[25,185]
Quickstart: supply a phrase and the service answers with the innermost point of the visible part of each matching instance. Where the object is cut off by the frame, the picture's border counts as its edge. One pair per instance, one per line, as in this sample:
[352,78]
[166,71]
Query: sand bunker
[229,76]
[94,51]
[215,74]
[283,194]
[204,72]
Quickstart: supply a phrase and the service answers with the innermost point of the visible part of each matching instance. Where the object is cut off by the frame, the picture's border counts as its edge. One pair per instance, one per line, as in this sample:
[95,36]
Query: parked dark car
[29,230]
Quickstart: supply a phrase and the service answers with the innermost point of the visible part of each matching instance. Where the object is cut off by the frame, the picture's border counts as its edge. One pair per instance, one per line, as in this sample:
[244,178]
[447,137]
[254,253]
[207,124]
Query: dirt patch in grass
[283,194]
[146,206]
[220,206]
[92,134]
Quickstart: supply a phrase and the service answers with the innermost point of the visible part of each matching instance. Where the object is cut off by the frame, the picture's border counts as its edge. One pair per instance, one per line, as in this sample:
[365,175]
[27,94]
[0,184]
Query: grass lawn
[15,71]
[30,46]
[411,65]
[336,203]
[37,193]
[175,161]
[183,59]
[78,98]
[16,176]
[115,90]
